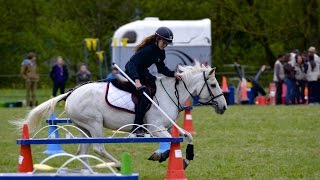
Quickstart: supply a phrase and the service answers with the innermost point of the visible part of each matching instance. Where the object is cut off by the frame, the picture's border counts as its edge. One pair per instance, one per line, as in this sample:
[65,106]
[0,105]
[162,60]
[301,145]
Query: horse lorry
[191,41]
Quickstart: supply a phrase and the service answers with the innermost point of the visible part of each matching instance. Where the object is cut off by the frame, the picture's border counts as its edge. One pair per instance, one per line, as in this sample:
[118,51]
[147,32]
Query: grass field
[270,142]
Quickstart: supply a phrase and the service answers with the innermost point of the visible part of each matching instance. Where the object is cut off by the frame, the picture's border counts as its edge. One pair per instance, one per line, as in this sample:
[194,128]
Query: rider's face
[162,44]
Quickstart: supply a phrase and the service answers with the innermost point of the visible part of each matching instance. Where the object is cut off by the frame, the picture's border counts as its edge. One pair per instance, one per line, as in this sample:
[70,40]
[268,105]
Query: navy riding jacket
[138,65]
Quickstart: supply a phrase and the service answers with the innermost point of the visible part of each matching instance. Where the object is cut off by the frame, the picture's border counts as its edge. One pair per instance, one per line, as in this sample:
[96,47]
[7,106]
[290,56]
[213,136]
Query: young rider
[149,51]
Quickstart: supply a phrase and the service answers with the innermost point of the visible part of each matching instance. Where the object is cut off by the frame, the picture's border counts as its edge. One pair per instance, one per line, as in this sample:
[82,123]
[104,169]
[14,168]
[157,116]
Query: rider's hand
[142,89]
[138,83]
[177,76]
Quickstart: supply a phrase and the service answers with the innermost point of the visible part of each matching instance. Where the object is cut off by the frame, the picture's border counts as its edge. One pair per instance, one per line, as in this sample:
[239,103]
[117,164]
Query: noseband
[209,102]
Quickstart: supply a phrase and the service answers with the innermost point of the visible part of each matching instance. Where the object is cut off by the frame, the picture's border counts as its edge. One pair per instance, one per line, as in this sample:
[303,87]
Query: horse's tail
[33,119]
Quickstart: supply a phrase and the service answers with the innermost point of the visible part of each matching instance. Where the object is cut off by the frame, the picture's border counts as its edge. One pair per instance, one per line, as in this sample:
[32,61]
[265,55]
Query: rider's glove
[142,89]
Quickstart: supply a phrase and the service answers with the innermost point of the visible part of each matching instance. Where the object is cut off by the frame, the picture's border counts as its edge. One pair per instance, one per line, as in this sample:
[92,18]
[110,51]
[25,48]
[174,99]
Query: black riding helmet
[165,34]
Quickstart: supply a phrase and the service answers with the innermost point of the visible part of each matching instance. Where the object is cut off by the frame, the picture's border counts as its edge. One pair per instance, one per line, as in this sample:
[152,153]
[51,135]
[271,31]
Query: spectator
[300,75]
[112,75]
[31,77]
[278,77]
[83,75]
[59,75]
[312,51]
[293,54]
[313,72]
[289,80]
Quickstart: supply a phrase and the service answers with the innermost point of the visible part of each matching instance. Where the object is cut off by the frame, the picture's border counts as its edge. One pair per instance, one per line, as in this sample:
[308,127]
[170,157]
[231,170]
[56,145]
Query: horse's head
[206,87]
[211,92]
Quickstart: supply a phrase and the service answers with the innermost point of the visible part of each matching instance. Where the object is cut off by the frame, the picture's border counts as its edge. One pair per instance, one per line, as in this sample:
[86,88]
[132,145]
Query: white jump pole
[183,132]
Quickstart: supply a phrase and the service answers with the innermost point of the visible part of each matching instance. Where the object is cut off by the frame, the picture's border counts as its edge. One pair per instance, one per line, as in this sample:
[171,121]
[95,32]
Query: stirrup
[140,132]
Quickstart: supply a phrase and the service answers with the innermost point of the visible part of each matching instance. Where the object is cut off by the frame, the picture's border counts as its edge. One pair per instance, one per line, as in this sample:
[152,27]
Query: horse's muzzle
[219,110]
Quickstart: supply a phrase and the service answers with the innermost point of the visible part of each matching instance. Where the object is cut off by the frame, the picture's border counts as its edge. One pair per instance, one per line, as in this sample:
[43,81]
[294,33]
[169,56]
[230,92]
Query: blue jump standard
[59,121]
[96,140]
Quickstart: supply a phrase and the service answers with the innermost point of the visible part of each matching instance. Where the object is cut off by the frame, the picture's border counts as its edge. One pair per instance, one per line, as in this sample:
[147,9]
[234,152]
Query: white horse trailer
[191,41]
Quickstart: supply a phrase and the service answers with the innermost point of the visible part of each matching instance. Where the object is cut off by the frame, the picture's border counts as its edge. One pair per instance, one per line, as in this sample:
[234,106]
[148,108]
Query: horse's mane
[187,70]
[197,67]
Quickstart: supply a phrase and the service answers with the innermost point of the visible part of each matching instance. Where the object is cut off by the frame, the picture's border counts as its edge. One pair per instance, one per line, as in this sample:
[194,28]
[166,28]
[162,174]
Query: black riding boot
[140,113]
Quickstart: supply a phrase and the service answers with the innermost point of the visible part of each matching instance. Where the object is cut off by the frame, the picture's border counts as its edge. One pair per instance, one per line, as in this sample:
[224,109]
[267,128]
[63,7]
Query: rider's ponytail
[144,42]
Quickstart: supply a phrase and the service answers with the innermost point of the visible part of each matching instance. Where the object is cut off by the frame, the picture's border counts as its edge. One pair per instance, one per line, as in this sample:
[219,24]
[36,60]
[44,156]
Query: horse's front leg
[162,153]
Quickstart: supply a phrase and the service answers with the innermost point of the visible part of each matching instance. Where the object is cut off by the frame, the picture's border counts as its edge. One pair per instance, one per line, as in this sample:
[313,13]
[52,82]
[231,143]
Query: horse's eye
[213,85]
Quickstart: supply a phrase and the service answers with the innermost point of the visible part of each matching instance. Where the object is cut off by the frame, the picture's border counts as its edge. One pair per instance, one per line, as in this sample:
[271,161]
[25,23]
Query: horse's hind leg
[99,149]
[84,148]
[96,130]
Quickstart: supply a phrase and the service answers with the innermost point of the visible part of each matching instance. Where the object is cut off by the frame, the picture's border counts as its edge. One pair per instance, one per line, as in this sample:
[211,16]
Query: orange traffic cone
[175,168]
[187,122]
[25,157]
[224,85]
[244,96]
[225,89]
[306,95]
[272,93]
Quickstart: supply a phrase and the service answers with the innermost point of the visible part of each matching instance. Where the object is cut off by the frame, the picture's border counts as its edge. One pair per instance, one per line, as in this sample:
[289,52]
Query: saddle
[122,95]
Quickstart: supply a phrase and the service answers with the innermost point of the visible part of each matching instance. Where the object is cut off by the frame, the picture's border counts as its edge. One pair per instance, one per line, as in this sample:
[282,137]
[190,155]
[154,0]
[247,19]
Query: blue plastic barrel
[231,95]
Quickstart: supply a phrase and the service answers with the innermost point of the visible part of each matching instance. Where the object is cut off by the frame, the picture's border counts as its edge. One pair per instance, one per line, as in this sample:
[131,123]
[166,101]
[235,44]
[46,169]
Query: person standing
[59,75]
[278,78]
[29,74]
[313,72]
[300,69]
[289,80]
[312,51]
[83,75]
[292,58]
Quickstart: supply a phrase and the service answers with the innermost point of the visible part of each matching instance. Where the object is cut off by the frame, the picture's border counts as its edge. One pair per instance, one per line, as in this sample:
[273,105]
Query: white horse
[88,110]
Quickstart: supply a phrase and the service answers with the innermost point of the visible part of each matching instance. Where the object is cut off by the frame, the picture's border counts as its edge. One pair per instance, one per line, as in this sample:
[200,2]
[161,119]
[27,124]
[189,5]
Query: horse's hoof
[118,168]
[154,157]
[186,163]
[164,156]
[159,157]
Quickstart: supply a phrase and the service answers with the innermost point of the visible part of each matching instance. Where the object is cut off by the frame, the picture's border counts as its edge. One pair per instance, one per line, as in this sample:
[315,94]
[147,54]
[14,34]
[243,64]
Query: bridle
[213,97]
[209,102]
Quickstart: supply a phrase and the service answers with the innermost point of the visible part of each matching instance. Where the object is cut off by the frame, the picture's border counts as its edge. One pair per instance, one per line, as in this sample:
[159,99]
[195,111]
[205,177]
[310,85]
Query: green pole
[126,168]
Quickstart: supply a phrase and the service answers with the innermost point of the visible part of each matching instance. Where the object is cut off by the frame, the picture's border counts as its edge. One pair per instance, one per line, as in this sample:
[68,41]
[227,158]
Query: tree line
[248,31]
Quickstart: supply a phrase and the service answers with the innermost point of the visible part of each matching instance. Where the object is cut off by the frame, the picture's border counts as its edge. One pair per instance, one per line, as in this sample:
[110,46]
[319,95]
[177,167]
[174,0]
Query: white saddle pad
[120,98]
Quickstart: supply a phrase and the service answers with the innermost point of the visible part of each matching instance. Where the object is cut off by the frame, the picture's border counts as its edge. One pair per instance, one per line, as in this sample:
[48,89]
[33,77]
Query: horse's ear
[180,68]
[212,71]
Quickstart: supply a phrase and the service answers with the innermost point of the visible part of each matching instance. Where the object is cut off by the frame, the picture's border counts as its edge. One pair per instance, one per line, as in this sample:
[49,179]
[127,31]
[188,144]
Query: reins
[178,104]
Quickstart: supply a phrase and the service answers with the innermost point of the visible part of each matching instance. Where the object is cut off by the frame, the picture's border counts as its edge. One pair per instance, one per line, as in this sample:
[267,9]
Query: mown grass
[13,95]
[267,142]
